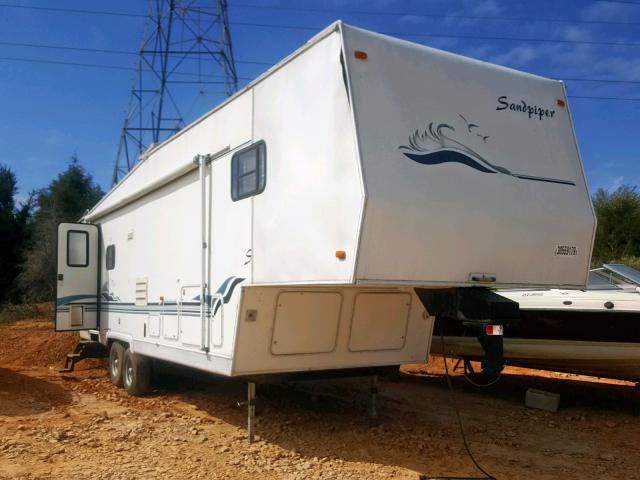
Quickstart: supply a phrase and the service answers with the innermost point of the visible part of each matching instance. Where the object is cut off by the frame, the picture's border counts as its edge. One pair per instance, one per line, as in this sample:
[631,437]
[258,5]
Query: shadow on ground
[22,394]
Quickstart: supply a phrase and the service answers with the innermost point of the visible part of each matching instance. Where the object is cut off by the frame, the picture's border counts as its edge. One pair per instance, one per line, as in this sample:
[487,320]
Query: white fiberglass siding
[457,184]
[312,202]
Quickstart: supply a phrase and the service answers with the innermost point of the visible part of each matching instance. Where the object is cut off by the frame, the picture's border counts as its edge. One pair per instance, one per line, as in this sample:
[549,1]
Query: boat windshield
[614,277]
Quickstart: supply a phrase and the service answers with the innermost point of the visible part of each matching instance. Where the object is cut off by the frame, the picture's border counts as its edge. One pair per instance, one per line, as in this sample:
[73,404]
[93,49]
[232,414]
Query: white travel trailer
[288,229]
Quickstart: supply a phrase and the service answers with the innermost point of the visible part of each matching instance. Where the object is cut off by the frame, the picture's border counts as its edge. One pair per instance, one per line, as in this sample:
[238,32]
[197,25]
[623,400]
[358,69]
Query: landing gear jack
[251,410]
[373,405]
[84,349]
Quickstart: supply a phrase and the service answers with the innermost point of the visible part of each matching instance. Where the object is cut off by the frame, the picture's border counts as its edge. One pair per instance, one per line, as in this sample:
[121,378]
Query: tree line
[28,230]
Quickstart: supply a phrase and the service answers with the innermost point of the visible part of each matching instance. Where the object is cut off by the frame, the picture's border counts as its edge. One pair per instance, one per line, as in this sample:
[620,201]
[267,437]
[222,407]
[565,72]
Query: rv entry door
[77,300]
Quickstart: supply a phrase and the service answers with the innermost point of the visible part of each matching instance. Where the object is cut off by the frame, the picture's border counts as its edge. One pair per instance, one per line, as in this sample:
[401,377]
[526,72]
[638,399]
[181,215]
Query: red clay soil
[32,343]
[79,425]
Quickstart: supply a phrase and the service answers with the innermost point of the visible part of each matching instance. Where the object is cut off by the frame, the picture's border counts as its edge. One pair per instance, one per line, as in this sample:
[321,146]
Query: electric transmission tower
[186,45]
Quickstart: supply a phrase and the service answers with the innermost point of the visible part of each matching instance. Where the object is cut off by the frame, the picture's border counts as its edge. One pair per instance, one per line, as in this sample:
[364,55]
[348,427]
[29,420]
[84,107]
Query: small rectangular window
[111,257]
[77,248]
[249,171]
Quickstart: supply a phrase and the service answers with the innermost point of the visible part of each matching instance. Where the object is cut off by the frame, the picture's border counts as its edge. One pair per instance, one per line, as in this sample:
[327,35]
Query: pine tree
[66,199]
[13,235]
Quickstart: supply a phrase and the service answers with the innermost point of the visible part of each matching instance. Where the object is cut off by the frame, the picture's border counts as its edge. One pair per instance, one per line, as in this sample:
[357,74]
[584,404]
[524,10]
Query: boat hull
[603,344]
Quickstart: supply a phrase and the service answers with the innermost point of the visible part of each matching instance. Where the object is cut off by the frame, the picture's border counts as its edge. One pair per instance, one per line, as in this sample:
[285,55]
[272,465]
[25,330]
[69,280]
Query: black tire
[116,360]
[136,374]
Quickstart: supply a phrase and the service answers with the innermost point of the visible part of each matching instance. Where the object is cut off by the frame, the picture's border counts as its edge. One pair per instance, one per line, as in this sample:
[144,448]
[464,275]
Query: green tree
[66,199]
[618,233]
[13,235]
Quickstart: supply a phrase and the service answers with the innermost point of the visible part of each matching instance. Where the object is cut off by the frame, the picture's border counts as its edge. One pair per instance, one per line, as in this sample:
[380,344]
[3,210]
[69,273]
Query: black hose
[462,434]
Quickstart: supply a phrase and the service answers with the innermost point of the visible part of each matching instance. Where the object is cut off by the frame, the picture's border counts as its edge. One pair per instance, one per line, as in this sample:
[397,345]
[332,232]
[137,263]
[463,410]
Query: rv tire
[116,360]
[136,374]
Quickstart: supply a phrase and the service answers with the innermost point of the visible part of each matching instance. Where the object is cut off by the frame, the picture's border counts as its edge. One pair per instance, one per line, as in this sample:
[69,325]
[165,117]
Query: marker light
[561,103]
[360,55]
[493,329]
[341,254]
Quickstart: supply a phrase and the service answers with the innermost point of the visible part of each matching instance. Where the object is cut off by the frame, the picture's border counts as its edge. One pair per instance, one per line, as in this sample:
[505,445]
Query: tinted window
[248,171]
[77,248]
[111,257]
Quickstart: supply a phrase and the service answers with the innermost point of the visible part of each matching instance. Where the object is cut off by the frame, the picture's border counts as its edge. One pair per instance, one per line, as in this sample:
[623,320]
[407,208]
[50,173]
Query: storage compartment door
[379,321]
[77,277]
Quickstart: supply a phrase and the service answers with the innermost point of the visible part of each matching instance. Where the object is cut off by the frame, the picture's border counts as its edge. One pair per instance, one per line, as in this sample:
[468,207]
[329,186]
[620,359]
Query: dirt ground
[78,425]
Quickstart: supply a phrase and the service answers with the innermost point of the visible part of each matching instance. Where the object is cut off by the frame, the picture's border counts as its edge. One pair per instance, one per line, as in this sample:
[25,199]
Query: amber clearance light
[360,55]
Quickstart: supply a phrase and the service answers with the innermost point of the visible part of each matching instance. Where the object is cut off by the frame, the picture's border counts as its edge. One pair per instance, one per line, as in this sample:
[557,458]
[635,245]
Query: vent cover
[142,286]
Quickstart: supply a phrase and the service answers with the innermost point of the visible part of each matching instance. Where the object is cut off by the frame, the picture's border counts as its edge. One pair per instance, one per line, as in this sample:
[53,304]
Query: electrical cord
[461,427]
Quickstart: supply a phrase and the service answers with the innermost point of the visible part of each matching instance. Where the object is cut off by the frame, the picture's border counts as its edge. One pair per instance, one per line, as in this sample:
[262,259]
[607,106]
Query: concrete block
[542,400]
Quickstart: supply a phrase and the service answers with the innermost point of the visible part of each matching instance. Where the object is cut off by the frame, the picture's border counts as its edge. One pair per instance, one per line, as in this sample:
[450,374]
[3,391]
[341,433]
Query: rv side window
[111,257]
[248,171]
[77,248]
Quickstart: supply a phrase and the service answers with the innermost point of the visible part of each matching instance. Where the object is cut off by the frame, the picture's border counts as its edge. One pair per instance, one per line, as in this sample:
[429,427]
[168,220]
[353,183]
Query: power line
[73,64]
[431,15]
[103,50]
[74,10]
[589,97]
[343,12]
[442,35]
[601,80]
[108,67]
[624,2]
[268,64]
[117,67]
[317,29]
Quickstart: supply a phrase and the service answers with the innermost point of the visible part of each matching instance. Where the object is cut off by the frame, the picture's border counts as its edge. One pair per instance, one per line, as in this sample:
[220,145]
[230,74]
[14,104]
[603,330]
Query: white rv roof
[337,25]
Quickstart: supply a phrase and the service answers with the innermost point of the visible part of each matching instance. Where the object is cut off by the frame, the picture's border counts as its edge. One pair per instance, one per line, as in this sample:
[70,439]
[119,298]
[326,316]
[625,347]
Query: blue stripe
[73,298]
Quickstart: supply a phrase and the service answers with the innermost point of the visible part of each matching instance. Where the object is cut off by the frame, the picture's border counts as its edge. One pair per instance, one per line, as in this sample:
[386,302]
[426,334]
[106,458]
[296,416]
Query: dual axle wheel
[129,370]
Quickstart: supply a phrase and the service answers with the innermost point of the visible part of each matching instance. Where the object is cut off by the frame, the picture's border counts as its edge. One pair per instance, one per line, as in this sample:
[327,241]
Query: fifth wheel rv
[320,217]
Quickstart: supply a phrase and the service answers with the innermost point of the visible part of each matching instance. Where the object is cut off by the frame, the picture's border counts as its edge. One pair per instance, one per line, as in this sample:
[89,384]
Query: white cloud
[607,11]
[412,19]
[622,68]
[572,59]
[487,8]
[616,184]
[519,56]
[573,33]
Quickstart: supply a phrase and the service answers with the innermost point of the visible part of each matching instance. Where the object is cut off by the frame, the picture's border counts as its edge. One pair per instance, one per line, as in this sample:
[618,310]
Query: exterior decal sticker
[73,298]
[436,145]
[225,290]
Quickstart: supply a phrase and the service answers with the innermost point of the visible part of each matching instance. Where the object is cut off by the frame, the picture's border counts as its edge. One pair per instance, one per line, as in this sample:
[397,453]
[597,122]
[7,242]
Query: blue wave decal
[73,298]
[441,143]
[446,156]
[226,290]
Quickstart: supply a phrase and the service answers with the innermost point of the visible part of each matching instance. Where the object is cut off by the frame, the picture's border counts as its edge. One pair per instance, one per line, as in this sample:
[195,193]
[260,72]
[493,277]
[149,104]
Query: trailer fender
[122,337]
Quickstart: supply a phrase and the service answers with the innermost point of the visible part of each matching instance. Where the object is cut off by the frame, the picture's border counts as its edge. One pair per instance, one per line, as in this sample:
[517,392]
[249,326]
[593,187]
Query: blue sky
[49,112]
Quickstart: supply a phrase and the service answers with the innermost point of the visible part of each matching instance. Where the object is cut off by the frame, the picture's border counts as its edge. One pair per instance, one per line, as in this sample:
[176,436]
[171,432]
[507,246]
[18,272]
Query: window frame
[260,169]
[86,235]
[110,248]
